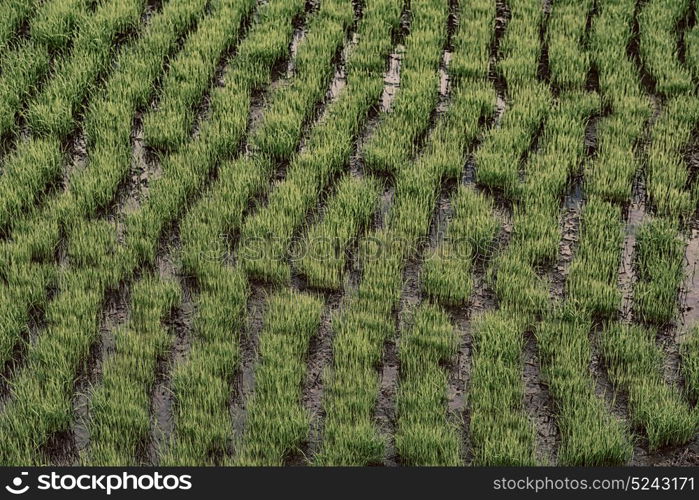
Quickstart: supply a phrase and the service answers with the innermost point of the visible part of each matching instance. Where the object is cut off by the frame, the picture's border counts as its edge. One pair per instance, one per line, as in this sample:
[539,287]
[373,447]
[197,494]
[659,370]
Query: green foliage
[120,420]
[425,436]
[324,248]
[635,366]
[190,73]
[277,423]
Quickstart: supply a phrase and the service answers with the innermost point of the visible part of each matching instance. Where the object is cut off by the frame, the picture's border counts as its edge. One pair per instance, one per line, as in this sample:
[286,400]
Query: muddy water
[538,404]
[243,384]
[392,78]
[444,82]
[636,216]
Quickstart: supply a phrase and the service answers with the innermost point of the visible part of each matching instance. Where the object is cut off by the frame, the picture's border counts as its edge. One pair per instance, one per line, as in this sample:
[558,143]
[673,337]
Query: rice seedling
[397,136]
[446,274]
[565,35]
[590,434]
[425,435]
[363,326]
[120,420]
[266,237]
[202,386]
[658,262]
[658,45]
[191,72]
[501,432]
[15,12]
[635,366]
[276,422]
[667,173]
[323,250]
[592,277]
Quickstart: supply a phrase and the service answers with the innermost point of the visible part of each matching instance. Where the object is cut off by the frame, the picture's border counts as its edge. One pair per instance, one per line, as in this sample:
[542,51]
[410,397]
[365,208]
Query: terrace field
[349,232]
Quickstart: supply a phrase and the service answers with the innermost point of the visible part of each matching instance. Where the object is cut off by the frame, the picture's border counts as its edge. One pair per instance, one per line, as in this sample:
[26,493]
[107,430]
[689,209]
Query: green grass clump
[658,22]
[120,419]
[398,134]
[501,432]
[635,366]
[14,13]
[324,248]
[25,174]
[446,275]
[565,35]
[276,422]
[190,73]
[425,436]
[659,273]
[590,434]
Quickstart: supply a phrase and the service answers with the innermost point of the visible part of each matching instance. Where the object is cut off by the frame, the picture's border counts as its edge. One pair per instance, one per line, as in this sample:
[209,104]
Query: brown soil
[244,382]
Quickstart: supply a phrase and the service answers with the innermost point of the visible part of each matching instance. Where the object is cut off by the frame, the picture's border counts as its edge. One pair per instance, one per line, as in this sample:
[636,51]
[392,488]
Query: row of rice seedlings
[593,275]
[447,272]
[52,114]
[658,23]
[277,423]
[144,228]
[590,434]
[202,382]
[120,419]
[566,35]
[499,156]
[635,365]
[186,170]
[690,363]
[658,262]
[667,175]
[323,251]
[501,432]
[14,14]
[267,235]
[397,136]
[54,110]
[108,125]
[362,327]
[611,174]
[190,73]
[23,67]
[424,434]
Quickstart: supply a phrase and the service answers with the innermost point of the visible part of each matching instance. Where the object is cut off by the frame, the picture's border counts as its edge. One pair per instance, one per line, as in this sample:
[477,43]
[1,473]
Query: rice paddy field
[349,232]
